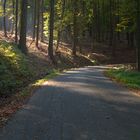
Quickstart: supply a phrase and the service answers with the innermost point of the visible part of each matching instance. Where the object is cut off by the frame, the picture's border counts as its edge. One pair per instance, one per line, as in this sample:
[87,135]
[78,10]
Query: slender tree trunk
[92,34]
[16,22]
[4,18]
[38,23]
[23,26]
[58,40]
[112,35]
[118,19]
[98,21]
[35,15]
[111,26]
[132,39]
[60,29]
[13,6]
[42,21]
[74,28]
[128,39]
[103,14]
[51,29]
[138,35]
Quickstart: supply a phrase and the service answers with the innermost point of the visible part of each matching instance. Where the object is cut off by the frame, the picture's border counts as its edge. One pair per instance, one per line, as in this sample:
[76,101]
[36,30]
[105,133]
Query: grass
[129,78]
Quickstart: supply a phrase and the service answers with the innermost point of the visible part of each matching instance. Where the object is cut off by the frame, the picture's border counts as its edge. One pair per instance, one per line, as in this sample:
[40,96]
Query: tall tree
[16,22]
[61,6]
[42,21]
[51,30]
[23,26]
[34,18]
[75,4]
[138,35]
[4,18]
[13,10]
[38,22]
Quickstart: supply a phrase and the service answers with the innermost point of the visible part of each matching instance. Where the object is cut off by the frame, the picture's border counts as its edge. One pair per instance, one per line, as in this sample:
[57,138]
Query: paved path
[78,105]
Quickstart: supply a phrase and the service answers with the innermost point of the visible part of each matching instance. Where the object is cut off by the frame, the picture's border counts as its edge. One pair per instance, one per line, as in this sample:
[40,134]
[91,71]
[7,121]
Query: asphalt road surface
[78,105]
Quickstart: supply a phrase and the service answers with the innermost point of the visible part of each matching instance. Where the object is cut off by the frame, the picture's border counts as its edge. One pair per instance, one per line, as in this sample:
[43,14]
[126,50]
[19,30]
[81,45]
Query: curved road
[78,105]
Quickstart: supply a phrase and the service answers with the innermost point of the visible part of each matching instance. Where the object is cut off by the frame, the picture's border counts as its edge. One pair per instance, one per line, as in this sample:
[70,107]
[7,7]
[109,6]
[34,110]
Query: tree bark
[13,8]
[60,29]
[138,35]
[35,15]
[42,21]
[51,29]
[16,22]
[38,23]
[74,28]
[23,26]
[4,18]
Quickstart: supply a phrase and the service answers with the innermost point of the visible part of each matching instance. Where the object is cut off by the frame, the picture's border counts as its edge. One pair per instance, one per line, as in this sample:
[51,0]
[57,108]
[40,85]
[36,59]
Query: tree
[16,22]
[74,28]
[23,26]
[60,9]
[34,18]
[138,35]
[4,17]
[42,21]
[38,22]
[51,30]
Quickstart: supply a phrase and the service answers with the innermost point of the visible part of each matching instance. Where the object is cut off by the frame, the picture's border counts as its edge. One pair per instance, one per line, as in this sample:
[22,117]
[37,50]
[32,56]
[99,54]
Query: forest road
[80,104]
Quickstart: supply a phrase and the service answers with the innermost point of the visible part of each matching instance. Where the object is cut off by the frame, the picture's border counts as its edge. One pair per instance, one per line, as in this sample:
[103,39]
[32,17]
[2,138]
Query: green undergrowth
[14,70]
[130,78]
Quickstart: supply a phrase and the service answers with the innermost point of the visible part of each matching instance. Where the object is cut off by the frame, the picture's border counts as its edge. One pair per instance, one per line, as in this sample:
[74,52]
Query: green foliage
[127,14]
[14,70]
[46,23]
[1,10]
[129,78]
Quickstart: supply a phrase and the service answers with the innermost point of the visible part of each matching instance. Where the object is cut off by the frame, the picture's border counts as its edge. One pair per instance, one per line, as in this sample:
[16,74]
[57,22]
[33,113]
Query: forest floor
[40,63]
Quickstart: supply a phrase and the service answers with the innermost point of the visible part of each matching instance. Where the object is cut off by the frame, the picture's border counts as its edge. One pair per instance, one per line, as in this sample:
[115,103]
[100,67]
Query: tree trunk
[16,22]
[51,29]
[23,26]
[111,26]
[42,21]
[60,29]
[4,18]
[35,15]
[98,22]
[13,7]
[138,35]
[112,34]
[38,23]
[74,28]
[58,40]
